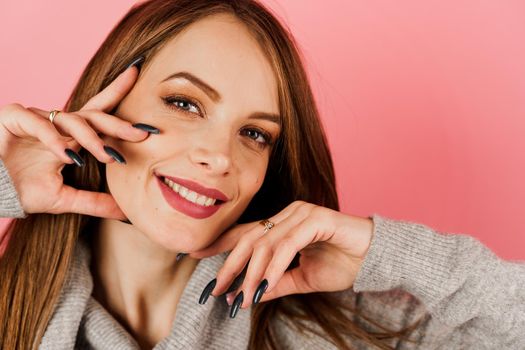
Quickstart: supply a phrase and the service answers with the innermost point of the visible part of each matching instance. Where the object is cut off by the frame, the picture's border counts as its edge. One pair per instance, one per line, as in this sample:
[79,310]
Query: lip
[177,202]
[196,187]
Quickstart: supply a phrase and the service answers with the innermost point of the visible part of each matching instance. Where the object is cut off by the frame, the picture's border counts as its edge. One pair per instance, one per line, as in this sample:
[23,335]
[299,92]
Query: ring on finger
[267,225]
[53,114]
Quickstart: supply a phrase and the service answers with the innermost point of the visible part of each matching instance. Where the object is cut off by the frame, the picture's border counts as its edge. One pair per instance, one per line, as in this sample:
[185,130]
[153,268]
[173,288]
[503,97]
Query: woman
[210,132]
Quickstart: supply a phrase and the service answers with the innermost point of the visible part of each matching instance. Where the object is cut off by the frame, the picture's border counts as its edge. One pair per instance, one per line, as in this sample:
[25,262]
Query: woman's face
[213,95]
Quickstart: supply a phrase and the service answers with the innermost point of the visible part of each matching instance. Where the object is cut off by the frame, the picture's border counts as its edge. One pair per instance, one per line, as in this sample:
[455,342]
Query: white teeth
[201,200]
[190,195]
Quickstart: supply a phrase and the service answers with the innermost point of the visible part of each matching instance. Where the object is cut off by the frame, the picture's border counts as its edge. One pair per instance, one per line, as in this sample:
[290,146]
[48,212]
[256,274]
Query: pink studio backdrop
[423,102]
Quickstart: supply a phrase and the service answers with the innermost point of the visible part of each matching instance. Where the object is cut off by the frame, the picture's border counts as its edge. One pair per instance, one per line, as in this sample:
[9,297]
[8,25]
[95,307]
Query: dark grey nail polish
[236,304]
[146,127]
[113,153]
[137,62]
[260,291]
[126,221]
[180,256]
[207,291]
[75,157]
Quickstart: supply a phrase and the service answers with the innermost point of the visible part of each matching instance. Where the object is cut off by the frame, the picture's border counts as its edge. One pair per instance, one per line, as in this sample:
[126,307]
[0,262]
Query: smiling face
[212,93]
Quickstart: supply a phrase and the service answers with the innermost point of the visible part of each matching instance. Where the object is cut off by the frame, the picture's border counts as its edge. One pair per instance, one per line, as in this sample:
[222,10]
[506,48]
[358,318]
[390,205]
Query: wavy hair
[35,263]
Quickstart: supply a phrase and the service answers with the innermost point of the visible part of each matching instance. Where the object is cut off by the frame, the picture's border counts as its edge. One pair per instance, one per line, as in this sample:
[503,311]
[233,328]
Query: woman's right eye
[181,104]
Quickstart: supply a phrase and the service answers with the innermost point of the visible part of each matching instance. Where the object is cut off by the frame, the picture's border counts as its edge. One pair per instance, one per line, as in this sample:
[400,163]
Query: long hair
[34,265]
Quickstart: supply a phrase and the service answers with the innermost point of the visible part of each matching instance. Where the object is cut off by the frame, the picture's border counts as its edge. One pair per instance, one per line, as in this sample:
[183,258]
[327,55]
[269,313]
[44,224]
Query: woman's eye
[262,138]
[181,103]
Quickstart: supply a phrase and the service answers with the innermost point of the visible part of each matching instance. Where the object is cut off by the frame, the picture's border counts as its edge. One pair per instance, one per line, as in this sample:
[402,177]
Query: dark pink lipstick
[183,205]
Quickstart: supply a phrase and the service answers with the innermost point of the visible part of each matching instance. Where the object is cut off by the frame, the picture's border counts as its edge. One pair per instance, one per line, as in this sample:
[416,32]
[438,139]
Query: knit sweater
[469,298]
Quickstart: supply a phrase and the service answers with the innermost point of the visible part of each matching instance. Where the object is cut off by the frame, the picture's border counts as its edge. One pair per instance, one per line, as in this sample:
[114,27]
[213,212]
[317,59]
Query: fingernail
[113,153]
[75,157]
[207,291]
[126,221]
[146,127]
[137,62]
[260,291]
[236,304]
[180,256]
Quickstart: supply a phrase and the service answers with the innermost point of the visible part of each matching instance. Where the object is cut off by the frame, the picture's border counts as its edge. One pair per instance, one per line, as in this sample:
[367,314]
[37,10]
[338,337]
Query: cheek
[252,180]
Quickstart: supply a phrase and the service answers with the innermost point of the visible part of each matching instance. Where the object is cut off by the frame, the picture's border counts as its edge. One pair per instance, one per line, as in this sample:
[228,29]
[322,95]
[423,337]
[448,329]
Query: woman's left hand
[332,247]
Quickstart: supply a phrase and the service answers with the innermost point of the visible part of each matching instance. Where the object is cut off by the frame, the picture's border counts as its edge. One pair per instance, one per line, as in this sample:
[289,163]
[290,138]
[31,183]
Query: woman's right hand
[33,150]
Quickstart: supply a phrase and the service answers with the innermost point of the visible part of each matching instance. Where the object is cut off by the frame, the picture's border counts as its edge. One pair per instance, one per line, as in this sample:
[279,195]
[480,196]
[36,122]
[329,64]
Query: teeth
[190,195]
[201,200]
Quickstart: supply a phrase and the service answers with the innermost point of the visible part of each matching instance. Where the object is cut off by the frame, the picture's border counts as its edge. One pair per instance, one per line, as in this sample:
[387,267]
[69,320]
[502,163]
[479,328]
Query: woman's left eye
[262,138]
[181,103]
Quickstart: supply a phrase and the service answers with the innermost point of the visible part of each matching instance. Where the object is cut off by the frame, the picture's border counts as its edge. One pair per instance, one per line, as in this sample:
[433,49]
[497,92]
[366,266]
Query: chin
[179,239]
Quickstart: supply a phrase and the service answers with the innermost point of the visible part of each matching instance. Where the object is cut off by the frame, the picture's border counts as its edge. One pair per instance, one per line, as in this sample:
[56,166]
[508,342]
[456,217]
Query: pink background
[424,102]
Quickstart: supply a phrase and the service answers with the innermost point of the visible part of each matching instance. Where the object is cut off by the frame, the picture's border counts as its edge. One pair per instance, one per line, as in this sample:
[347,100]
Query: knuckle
[11,107]
[263,244]
[245,241]
[318,211]
[286,243]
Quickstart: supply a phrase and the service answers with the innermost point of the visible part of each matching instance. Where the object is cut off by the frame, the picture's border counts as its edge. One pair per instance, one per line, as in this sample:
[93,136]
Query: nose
[213,154]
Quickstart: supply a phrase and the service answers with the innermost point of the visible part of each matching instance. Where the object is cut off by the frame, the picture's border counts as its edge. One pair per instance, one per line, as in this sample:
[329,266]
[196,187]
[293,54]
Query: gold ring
[53,114]
[267,225]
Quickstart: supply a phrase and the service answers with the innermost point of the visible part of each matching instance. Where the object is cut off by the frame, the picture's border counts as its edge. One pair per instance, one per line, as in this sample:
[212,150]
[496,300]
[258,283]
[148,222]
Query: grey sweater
[469,297]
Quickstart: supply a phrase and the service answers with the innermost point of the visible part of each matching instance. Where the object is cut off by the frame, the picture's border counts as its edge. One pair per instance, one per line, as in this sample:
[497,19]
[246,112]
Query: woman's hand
[332,247]
[33,150]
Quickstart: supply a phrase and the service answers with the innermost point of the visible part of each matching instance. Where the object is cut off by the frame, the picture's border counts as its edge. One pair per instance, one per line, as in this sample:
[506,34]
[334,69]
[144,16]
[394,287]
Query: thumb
[89,203]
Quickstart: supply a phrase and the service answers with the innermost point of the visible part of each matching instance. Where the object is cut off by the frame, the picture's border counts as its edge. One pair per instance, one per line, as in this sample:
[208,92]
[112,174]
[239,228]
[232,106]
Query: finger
[228,240]
[287,285]
[263,251]
[91,203]
[260,259]
[76,126]
[234,264]
[104,123]
[111,96]
[307,232]
[25,123]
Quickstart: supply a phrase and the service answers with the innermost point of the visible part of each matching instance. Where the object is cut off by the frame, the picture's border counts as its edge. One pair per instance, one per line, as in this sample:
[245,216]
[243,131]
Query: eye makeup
[188,105]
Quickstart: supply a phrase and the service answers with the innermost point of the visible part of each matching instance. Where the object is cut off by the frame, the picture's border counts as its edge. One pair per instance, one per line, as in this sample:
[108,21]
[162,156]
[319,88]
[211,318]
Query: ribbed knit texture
[10,206]
[468,297]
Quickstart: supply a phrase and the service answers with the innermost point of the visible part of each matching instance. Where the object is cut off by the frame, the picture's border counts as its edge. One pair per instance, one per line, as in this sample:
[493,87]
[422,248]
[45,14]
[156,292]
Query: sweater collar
[80,319]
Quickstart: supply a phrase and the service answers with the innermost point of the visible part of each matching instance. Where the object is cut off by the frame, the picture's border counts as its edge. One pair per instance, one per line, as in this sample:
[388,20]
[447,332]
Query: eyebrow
[216,97]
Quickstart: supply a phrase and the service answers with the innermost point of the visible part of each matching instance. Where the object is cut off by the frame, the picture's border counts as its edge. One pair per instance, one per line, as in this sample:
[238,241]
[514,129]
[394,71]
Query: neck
[138,281]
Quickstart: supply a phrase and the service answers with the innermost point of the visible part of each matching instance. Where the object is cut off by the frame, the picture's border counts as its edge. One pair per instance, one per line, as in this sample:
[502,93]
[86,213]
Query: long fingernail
[236,304]
[146,127]
[75,157]
[260,290]
[207,291]
[180,256]
[137,62]
[113,153]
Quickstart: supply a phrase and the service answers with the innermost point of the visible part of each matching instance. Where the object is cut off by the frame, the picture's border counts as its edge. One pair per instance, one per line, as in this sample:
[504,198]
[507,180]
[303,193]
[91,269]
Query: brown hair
[35,263]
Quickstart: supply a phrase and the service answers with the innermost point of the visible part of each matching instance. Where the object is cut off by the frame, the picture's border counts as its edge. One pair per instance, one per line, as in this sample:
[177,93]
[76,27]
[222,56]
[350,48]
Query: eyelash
[171,102]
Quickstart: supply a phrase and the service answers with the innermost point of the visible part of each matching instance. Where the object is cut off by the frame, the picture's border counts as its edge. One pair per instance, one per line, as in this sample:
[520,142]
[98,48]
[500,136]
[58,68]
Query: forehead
[221,51]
